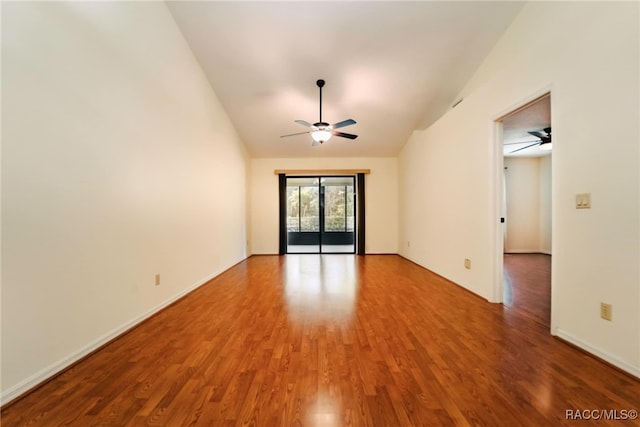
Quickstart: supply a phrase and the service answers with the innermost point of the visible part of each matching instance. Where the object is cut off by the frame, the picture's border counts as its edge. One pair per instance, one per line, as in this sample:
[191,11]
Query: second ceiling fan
[322,131]
[544,140]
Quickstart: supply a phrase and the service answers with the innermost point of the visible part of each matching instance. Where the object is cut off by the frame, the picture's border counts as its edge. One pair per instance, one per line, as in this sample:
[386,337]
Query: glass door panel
[338,215]
[303,215]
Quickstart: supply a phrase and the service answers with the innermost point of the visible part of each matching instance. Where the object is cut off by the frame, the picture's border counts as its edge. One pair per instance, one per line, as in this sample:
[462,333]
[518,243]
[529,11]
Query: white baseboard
[526,251]
[43,375]
[633,370]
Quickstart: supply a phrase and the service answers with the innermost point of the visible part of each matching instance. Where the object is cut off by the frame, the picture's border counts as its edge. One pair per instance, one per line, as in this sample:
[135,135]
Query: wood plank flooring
[332,340]
[527,286]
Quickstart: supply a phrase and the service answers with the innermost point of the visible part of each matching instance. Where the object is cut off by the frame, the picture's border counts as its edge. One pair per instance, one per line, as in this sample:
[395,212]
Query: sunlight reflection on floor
[320,287]
[325,412]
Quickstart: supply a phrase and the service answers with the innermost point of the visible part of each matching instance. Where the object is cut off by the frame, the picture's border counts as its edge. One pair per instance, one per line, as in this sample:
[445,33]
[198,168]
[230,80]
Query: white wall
[528,197]
[588,56]
[381,187]
[118,163]
[545,208]
[523,204]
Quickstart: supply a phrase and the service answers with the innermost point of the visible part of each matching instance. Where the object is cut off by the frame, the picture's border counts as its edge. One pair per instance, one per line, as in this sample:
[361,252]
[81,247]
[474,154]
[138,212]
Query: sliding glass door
[321,214]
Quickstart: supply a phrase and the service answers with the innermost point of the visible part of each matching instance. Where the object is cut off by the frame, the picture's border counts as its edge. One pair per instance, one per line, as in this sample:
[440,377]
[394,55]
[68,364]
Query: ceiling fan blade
[293,134]
[543,138]
[344,135]
[343,123]
[524,148]
[303,123]
[518,142]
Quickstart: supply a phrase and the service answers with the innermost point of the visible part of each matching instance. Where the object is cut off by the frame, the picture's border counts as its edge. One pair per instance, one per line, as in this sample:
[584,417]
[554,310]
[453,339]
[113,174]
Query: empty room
[219,213]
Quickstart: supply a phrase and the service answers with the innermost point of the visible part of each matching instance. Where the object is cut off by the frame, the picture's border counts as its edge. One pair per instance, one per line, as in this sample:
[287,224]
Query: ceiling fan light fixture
[321,135]
[546,146]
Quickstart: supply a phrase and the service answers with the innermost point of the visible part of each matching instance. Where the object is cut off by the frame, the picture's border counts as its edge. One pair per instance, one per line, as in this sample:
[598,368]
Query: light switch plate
[583,201]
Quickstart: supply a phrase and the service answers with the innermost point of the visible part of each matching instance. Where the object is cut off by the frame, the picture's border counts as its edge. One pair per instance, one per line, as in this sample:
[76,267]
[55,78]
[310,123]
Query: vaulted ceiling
[393,67]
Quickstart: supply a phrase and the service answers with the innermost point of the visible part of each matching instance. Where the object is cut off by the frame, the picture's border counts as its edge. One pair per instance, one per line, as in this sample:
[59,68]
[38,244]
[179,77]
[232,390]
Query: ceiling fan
[322,131]
[544,140]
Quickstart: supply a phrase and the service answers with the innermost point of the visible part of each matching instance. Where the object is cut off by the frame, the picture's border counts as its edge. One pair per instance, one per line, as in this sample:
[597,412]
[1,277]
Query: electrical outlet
[408,243]
[467,263]
[606,311]
[157,280]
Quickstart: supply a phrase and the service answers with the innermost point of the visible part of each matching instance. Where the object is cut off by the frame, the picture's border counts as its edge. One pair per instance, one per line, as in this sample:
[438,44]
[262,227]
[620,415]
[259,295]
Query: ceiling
[516,128]
[393,67]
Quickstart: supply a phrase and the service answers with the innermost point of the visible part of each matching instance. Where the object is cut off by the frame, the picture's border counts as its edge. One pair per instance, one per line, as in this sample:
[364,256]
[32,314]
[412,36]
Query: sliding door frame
[322,206]
[360,229]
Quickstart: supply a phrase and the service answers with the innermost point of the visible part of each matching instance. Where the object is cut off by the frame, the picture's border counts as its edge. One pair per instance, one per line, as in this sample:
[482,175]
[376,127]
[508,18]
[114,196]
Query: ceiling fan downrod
[320,84]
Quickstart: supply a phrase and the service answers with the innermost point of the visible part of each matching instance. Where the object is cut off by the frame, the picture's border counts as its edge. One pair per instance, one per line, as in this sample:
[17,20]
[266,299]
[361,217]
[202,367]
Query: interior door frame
[498,194]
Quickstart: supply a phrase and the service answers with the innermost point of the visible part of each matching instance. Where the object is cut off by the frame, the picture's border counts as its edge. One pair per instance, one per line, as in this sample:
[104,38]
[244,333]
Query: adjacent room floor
[331,340]
[527,286]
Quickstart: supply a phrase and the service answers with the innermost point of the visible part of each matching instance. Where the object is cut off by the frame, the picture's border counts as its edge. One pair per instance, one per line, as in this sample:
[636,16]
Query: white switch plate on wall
[583,201]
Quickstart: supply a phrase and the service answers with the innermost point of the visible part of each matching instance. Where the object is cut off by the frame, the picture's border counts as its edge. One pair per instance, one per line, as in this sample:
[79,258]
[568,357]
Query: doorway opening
[321,214]
[524,148]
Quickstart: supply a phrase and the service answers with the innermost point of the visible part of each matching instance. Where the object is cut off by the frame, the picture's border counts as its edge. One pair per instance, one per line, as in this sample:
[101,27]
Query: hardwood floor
[527,285]
[332,340]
